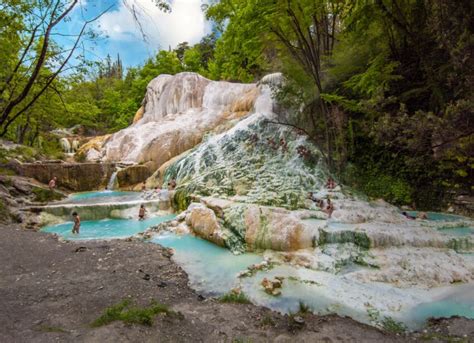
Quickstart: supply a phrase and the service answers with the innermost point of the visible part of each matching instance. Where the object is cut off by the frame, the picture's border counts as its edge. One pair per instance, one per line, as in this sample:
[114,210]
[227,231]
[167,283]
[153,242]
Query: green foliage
[391,325]
[4,213]
[48,328]
[181,200]
[242,340]
[131,314]
[376,184]
[233,297]
[376,79]
[387,323]
[267,320]
[387,91]
[303,308]
[438,337]
[46,195]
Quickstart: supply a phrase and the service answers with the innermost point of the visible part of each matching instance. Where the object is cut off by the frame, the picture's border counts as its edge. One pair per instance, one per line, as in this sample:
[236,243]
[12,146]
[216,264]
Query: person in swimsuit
[141,212]
[329,208]
[52,183]
[172,185]
[77,223]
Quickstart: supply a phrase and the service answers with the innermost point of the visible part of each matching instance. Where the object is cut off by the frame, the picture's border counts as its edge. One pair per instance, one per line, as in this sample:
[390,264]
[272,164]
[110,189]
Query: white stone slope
[179,111]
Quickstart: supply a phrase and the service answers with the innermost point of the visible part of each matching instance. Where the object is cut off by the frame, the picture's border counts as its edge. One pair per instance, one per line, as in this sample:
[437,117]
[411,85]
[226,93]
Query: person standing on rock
[52,183]
[77,223]
[172,184]
[329,208]
[141,212]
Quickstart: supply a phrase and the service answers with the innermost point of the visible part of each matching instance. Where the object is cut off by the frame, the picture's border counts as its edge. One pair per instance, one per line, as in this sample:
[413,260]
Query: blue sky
[121,34]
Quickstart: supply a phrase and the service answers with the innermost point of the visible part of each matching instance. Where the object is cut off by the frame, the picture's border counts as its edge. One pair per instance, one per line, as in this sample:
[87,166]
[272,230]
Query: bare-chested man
[77,223]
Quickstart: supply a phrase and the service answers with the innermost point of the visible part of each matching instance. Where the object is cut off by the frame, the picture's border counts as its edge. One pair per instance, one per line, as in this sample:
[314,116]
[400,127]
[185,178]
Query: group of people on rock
[330,183]
[142,211]
[171,186]
[328,206]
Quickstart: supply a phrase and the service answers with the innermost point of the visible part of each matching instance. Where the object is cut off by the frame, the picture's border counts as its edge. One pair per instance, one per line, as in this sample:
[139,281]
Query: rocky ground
[53,290]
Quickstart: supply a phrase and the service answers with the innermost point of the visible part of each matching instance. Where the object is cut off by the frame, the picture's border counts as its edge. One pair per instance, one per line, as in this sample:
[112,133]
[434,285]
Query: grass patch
[303,308]
[131,314]
[46,195]
[47,328]
[267,320]
[6,171]
[232,297]
[4,213]
[439,337]
[391,325]
[241,340]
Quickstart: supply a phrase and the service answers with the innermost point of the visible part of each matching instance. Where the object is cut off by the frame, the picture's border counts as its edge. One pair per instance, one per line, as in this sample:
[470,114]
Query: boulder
[204,223]
[217,205]
[272,287]
[277,229]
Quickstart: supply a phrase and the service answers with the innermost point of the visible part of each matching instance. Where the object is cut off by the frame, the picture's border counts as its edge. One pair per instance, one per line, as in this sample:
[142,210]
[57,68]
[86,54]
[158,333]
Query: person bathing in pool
[77,223]
[141,212]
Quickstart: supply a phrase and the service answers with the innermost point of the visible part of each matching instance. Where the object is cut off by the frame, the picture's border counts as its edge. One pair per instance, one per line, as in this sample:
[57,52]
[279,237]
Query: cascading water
[113,180]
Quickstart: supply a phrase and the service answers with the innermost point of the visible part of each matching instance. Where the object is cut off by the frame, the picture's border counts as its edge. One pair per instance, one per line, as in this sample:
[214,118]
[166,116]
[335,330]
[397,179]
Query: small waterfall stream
[112,181]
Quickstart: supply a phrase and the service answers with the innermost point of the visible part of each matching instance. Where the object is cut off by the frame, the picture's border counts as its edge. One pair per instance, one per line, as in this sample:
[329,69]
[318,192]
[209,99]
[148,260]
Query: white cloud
[186,22]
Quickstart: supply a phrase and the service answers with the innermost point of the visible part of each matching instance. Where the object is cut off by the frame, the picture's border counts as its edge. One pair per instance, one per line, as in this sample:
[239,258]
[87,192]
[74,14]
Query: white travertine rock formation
[179,110]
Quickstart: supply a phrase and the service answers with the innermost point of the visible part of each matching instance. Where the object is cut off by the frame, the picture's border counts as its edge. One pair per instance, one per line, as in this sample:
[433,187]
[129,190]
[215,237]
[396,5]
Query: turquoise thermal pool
[437,216]
[214,271]
[100,194]
[106,228]
[101,197]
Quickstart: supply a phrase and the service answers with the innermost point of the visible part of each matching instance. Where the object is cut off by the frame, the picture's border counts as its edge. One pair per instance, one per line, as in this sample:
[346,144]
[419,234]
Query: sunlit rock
[178,111]
[93,148]
[139,114]
[203,222]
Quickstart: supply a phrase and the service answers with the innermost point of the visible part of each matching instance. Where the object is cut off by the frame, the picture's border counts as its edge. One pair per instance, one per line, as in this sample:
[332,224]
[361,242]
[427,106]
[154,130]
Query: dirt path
[52,290]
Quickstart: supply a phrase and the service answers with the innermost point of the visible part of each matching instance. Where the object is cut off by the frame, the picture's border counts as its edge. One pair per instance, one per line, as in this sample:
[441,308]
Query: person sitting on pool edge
[408,216]
[172,184]
[141,212]
[77,223]
[52,183]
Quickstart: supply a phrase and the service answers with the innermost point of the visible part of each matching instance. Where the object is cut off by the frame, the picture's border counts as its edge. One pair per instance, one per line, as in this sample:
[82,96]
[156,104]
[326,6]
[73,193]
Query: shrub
[232,297]
[131,315]
[46,195]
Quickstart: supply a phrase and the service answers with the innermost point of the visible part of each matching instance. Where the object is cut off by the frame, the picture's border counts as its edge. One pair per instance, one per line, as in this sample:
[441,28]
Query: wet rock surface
[73,176]
[53,290]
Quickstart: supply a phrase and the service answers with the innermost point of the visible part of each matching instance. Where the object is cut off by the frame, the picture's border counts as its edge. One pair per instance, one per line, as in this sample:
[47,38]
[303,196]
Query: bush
[131,315]
[376,184]
[232,297]
[4,213]
[46,195]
